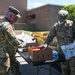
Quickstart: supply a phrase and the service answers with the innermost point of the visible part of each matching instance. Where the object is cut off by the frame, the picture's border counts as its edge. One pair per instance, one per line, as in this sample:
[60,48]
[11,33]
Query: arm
[11,36]
[51,35]
[49,38]
[73,31]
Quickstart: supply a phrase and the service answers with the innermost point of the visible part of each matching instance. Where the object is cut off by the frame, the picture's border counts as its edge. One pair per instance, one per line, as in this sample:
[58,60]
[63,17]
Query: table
[39,64]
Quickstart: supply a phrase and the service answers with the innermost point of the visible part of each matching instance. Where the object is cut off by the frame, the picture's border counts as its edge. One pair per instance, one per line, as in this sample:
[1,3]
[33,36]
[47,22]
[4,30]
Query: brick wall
[45,16]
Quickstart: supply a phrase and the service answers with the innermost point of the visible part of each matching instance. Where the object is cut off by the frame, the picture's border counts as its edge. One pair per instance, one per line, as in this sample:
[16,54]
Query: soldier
[9,43]
[64,31]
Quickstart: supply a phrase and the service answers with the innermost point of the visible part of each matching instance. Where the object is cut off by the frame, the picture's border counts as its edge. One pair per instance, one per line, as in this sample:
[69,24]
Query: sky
[37,3]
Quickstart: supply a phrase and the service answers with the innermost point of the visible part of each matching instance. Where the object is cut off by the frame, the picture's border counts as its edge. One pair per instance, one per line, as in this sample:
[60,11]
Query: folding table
[39,64]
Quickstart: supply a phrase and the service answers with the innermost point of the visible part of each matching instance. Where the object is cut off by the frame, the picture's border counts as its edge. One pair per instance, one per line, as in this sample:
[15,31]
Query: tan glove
[44,46]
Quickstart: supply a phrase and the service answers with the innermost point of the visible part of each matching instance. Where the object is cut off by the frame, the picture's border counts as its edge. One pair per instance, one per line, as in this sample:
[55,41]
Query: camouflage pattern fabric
[72,66]
[3,70]
[68,67]
[8,46]
[65,33]
[13,62]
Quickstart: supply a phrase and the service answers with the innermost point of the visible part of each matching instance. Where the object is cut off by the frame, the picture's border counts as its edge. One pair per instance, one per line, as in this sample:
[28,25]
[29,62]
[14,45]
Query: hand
[44,47]
[25,49]
[23,44]
[20,49]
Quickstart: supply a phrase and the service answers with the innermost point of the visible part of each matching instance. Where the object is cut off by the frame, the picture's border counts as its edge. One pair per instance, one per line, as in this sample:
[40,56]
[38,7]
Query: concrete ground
[27,69]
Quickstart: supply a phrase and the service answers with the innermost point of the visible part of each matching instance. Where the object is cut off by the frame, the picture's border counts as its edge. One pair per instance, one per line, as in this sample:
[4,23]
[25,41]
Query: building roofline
[45,6]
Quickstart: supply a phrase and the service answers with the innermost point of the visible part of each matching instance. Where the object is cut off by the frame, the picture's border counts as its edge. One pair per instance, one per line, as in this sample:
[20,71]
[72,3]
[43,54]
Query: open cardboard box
[29,45]
[37,54]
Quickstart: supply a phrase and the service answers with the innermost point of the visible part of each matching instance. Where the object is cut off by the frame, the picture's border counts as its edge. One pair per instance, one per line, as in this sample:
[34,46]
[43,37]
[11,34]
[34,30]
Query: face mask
[61,18]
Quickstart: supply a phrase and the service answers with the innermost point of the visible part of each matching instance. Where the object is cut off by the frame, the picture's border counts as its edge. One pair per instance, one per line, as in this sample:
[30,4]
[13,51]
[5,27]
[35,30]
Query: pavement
[27,69]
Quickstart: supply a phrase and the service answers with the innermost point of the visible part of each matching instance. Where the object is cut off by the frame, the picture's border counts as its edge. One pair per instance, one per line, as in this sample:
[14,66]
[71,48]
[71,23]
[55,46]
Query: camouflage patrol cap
[14,10]
[63,13]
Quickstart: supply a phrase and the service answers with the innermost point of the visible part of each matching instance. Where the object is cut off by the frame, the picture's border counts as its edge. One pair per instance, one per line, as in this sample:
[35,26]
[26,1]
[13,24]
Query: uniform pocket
[3,69]
[4,58]
[3,54]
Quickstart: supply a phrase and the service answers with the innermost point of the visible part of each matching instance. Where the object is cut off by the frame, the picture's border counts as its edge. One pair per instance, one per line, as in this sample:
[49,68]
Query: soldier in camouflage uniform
[9,43]
[64,30]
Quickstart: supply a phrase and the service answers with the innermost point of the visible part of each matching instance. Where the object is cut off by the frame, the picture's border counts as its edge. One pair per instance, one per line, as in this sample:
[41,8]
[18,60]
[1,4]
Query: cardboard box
[32,44]
[37,54]
[29,45]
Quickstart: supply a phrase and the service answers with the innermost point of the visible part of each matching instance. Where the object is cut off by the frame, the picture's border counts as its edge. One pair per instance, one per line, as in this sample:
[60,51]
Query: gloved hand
[44,47]
[23,44]
[22,47]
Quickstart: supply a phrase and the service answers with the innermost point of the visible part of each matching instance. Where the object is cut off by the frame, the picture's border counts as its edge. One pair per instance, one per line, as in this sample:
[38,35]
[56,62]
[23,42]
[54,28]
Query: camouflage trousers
[68,67]
[15,69]
[14,65]
[4,70]
[4,62]
[4,74]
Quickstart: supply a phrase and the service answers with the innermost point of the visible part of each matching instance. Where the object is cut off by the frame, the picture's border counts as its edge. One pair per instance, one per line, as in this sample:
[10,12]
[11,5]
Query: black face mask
[61,18]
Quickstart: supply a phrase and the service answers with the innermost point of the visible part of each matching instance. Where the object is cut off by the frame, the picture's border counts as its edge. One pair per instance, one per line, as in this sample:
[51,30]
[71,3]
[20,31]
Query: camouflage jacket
[7,35]
[7,40]
[64,33]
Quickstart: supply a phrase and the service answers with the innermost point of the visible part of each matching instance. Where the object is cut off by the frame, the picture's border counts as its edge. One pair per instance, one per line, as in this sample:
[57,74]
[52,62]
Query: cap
[15,11]
[63,13]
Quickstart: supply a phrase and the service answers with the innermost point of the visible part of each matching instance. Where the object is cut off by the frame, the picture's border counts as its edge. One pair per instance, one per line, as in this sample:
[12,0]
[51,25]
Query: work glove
[22,47]
[44,46]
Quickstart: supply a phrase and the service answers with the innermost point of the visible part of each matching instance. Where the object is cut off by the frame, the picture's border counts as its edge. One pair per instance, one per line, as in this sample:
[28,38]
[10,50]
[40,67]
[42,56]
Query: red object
[35,48]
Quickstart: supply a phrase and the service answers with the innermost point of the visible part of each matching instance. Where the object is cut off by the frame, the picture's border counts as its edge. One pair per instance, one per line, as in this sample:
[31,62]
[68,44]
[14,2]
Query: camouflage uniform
[65,32]
[8,46]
